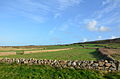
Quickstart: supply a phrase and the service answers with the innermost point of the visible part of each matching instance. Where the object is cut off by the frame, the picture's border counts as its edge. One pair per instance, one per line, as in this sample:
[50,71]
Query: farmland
[73,54]
[55,52]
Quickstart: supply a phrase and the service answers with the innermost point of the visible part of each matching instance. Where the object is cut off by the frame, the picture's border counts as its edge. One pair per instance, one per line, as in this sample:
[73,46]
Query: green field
[73,54]
[14,71]
[14,49]
[111,45]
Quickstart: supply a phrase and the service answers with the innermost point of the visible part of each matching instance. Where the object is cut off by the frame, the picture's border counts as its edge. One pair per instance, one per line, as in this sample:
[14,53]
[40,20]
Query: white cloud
[85,40]
[109,7]
[107,15]
[103,29]
[106,2]
[99,37]
[27,8]
[38,8]
[57,15]
[36,18]
[113,37]
[63,4]
[92,25]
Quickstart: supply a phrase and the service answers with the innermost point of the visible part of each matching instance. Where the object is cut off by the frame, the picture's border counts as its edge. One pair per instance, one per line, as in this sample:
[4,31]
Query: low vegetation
[79,51]
[73,54]
[41,72]
[116,56]
[14,71]
[20,52]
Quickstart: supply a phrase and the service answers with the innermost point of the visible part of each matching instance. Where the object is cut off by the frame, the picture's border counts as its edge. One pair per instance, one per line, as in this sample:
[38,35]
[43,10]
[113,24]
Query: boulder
[69,63]
[101,63]
[107,64]
[74,63]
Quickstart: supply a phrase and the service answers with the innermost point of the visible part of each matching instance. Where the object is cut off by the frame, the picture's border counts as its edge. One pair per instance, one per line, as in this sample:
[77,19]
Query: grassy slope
[74,54]
[14,71]
[116,56]
[111,45]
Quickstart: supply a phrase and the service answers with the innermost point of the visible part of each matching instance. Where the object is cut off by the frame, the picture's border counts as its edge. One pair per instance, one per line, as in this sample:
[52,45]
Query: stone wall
[106,54]
[104,65]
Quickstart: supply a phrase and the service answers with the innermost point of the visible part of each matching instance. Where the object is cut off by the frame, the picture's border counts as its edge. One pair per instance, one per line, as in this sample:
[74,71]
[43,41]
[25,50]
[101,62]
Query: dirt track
[110,51]
[28,52]
[7,53]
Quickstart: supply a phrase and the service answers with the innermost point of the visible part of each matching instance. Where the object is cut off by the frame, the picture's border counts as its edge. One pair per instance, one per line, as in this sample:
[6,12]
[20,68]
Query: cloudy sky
[44,22]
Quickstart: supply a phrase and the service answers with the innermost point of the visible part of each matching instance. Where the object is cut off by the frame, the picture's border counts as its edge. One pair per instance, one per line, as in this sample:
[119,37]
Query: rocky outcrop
[103,65]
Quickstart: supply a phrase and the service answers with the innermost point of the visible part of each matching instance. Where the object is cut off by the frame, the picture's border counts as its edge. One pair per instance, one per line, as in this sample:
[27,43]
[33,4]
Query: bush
[20,52]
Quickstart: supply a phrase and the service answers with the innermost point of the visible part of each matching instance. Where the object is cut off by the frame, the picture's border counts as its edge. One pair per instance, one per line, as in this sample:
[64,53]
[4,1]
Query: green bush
[19,52]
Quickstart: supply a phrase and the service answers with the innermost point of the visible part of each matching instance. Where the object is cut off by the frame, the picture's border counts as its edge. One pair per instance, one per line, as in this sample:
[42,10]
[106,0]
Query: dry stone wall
[106,54]
[103,65]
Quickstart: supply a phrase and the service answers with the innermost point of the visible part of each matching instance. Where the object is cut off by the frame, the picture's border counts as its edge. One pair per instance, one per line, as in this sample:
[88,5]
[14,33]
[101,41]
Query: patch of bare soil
[7,53]
[53,50]
[28,52]
[110,51]
[14,49]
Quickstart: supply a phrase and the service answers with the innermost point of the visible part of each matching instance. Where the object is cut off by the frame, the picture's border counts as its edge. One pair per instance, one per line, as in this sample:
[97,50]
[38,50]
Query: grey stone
[74,63]
[83,64]
[107,64]
[118,66]
[69,63]
[112,68]
[101,63]
[26,62]
[95,64]
[113,65]
[79,63]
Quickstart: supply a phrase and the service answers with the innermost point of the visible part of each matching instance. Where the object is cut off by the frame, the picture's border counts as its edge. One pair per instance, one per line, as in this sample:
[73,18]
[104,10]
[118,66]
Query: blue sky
[48,22]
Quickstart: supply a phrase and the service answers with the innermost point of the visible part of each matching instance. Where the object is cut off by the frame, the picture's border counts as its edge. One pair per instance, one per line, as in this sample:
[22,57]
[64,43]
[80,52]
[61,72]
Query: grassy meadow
[72,54]
[14,71]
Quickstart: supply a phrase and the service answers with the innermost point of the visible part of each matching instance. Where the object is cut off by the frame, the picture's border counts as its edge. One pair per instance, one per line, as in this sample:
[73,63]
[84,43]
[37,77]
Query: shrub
[20,52]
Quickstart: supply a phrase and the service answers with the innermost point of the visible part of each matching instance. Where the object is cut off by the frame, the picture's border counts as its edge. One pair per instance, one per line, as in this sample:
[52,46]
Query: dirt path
[28,52]
[14,49]
[7,53]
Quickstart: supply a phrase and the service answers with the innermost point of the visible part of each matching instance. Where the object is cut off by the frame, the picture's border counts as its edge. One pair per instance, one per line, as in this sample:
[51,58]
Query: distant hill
[107,41]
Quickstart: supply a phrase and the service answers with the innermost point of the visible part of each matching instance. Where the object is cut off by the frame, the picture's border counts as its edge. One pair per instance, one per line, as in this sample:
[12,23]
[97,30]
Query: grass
[39,48]
[20,52]
[73,54]
[28,49]
[111,45]
[14,71]
[112,75]
[116,56]
[13,49]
